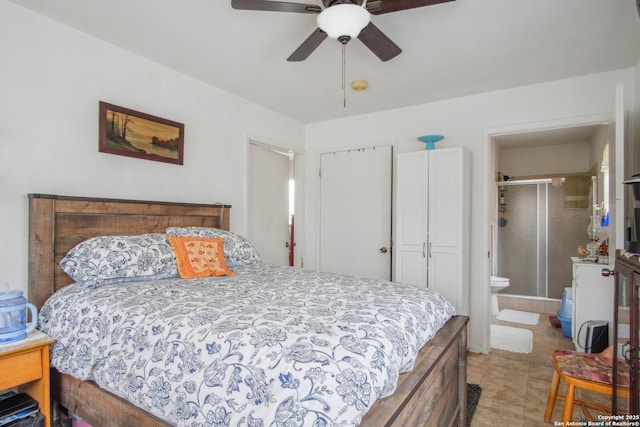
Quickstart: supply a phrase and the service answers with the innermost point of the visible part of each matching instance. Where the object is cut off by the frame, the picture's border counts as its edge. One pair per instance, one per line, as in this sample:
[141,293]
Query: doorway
[271,201]
[528,171]
[520,136]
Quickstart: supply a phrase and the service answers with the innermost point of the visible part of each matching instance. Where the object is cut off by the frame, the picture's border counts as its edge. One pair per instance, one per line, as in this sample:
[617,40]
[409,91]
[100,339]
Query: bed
[432,393]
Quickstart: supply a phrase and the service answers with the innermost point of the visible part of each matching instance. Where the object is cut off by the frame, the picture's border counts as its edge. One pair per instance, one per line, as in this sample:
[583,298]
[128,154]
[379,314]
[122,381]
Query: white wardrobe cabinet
[431,240]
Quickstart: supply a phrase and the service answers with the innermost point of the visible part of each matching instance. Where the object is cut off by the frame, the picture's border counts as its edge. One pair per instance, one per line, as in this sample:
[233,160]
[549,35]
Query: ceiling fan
[341,20]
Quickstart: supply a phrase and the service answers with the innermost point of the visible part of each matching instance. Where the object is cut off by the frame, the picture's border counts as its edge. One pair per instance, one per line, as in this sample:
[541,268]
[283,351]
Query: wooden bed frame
[434,393]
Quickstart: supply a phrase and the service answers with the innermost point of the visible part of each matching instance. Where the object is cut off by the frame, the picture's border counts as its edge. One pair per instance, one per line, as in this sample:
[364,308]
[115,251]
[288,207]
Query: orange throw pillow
[199,256]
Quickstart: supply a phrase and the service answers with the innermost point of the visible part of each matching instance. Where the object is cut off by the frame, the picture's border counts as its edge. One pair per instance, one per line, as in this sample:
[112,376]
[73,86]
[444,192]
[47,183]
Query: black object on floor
[473,396]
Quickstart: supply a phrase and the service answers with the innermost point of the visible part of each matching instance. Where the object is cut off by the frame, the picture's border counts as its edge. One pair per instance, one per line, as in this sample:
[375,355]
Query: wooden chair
[588,371]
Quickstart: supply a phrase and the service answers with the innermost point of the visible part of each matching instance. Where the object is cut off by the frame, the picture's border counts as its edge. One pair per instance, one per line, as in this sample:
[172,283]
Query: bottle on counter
[603,255]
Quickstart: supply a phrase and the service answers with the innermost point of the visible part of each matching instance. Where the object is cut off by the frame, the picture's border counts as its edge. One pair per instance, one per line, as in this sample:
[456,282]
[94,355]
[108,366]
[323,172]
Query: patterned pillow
[238,251]
[118,259]
[607,355]
[199,256]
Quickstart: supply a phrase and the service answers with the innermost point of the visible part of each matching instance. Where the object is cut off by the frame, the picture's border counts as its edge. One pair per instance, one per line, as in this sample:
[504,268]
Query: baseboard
[474,349]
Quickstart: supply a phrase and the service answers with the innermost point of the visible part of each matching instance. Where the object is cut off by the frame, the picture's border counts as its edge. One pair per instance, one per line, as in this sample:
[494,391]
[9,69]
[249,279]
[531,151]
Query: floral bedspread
[270,346]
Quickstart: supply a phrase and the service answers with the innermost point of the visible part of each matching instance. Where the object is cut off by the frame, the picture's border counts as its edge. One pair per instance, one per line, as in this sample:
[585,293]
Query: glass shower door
[522,238]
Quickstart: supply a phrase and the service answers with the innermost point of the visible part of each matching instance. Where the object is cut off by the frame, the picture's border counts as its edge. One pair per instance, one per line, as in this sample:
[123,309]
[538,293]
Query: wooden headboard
[58,223]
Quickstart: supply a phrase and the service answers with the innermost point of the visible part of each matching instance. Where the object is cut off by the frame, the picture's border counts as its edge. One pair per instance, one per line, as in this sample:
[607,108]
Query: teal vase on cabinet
[430,140]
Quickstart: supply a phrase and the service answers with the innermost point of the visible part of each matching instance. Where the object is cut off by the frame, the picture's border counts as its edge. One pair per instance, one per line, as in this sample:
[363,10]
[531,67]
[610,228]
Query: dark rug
[473,396]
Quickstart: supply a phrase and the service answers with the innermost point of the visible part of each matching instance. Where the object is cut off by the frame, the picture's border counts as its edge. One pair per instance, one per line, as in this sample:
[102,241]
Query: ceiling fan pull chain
[344,90]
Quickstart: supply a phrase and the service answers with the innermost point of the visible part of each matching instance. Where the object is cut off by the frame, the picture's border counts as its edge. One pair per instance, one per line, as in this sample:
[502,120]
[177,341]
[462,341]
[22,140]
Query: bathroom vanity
[592,298]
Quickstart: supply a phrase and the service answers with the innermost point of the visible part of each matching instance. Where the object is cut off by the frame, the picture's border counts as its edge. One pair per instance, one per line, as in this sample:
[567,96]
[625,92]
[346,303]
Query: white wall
[464,122]
[52,79]
[520,163]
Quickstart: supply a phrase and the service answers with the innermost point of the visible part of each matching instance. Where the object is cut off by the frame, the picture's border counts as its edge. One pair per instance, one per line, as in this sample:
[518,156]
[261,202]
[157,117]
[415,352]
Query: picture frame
[130,133]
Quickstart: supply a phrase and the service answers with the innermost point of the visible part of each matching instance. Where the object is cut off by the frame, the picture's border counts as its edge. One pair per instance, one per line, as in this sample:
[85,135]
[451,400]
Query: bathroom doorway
[541,161]
[539,225]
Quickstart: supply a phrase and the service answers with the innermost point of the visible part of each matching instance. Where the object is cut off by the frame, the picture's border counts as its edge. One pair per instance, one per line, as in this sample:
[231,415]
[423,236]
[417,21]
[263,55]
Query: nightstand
[25,364]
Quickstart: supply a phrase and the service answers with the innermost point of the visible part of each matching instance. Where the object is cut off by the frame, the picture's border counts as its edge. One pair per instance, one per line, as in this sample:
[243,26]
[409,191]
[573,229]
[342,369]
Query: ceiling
[452,49]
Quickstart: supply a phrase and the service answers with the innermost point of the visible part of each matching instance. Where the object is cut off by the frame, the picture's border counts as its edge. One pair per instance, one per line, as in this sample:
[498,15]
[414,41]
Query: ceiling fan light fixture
[343,20]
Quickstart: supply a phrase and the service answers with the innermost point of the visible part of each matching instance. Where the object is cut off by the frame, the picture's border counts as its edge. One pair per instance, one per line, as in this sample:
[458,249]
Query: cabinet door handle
[430,249]
[424,255]
[606,272]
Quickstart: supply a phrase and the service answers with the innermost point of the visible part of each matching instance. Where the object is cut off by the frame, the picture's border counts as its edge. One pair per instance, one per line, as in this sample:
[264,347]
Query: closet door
[355,211]
[410,236]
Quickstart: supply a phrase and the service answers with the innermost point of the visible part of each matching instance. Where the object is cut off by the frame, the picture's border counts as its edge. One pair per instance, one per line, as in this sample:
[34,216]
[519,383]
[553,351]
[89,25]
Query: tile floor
[515,385]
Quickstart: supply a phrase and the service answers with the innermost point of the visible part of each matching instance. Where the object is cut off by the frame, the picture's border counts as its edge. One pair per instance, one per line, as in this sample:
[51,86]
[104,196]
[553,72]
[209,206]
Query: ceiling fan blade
[379,43]
[386,6]
[308,46]
[275,6]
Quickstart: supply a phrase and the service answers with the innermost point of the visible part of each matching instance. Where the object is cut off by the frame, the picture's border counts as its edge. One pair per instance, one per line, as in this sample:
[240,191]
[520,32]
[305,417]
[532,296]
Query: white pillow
[118,259]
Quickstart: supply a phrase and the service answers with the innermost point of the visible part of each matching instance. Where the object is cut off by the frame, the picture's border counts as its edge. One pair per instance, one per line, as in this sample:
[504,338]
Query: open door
[617,172]
[270,172]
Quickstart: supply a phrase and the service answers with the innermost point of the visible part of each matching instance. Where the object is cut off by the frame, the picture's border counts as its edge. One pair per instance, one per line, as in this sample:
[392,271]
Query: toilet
[497,284]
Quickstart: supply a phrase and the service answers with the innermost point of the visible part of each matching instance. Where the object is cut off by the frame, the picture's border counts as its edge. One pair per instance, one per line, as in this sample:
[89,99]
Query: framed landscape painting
[131,133]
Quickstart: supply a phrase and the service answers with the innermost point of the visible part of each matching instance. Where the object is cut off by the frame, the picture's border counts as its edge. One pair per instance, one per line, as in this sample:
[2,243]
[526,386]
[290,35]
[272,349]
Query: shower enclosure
[536,237]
